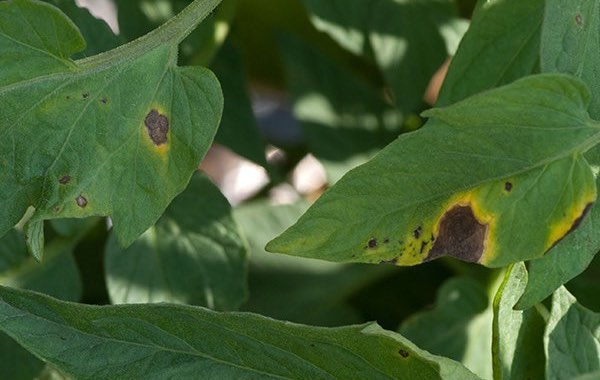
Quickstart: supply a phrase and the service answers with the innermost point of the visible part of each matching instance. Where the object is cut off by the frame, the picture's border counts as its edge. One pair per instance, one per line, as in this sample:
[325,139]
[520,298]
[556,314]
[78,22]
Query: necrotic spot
[579,19]
[403,353]
[81,201]
[460,235]
[417,232]
[508,186]
[157,126]
[64,179]
[372,243]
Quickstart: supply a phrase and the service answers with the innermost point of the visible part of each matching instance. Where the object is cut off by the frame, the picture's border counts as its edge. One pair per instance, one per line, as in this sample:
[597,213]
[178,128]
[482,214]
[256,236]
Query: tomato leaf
[118,134]
[468,184]
[157,341]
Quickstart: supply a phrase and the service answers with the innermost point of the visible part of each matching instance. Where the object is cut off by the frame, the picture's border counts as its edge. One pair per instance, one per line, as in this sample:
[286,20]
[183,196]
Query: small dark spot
[158,127]
[392,261]
[103,100]
[417,232]
[576,223]
[81,201]
[57,209]
[312,344]
[423,245]
[63,338]
[85,95]
[508,186]
[460,235]
[579,19]
[372,243]
[432,238]
[403,353]
[68,97]
[64,179]
[400,242]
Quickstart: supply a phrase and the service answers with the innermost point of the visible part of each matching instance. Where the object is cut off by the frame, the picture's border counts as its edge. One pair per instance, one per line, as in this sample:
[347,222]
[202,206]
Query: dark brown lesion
[157,126]
[460,235]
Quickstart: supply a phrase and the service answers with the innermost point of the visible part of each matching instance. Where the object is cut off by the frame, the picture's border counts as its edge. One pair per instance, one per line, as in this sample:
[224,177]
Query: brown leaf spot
[81,201]
[403,353]
[64,179]
[579,19]
[460,235]
[508,186]
[372,243]
[417,232]
[85,95]
[158,127]
[103,100]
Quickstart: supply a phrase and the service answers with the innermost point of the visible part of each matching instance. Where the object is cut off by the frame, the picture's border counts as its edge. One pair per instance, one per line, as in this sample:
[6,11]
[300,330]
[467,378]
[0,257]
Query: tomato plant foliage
[484,202]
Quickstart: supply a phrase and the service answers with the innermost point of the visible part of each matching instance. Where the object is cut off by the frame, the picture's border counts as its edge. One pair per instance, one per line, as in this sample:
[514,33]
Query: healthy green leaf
[17,363]
[571,42]
[345,121]
[238,130]
[501,45]
[159,341]
[404,37]
[517,335]
[97,33]
[408,46]
[117,134]
[572,338]
[458,327]
[466,185]
[57,275]
[194,254]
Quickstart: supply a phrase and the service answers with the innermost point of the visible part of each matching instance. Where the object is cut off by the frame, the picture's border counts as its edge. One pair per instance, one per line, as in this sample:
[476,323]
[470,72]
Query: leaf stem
[171,32]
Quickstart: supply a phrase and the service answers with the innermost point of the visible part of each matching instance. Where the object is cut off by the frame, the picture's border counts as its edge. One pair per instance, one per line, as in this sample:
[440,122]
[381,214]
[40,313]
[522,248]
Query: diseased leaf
[158,341]
[458,327]
[466,185]
[517,344]
[570,44]
[194,254]
[117,134]
[572,339]
[501,45]
[345,121]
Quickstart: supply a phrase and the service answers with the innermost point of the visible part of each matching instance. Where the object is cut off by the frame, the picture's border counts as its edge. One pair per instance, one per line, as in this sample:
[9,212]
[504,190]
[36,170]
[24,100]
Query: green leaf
[238,130]
[117,134]
[17,363]
[408,46]
[572,338]
[57,276]
[405,38]
[466,185]
[194,254]
[345,121]
[96,32]
[501,45]
[517,335]
[157,341]
[458,327]
[570,41]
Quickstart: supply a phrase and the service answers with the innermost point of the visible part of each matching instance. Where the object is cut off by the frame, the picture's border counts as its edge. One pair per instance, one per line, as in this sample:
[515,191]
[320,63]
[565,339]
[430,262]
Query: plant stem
[171,32]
